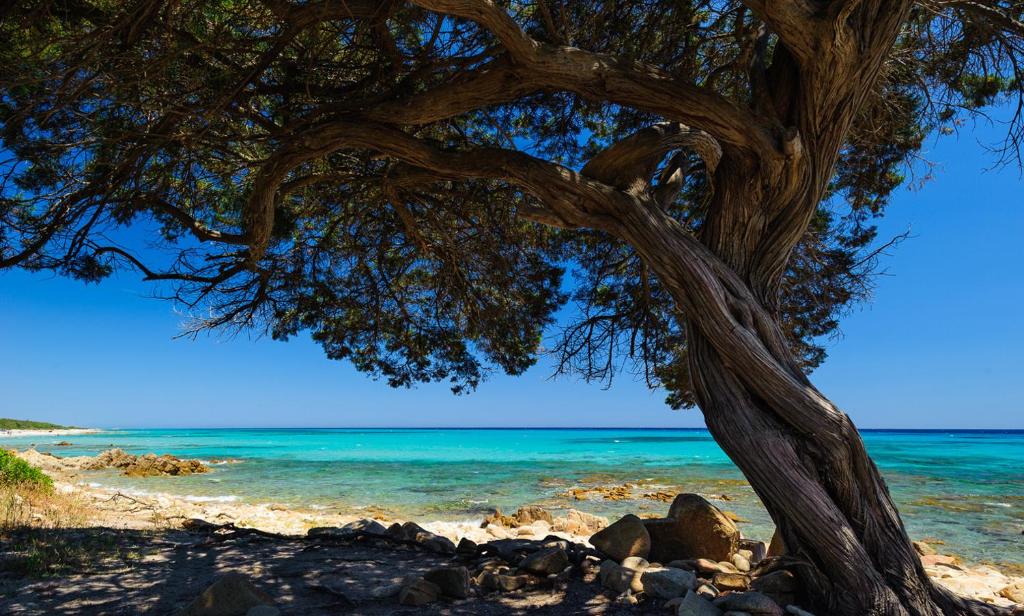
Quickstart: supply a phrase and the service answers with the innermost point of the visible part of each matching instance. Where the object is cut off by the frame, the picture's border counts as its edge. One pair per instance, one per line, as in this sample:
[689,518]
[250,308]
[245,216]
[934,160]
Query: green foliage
[136,134]
[15,471]
[25,424]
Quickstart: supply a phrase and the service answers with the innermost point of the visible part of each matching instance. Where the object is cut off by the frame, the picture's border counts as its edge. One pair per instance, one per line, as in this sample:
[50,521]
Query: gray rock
[695,605]
[546,562]
[453,581]
[626,537]
[752,602]
[230,595]
[418,592]
[758,550]
[666,583]
[263,610]
[466,547]
[792,609]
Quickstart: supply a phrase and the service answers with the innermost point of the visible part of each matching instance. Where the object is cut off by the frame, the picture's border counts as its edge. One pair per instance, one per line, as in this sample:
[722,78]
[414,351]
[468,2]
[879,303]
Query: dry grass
[45,532]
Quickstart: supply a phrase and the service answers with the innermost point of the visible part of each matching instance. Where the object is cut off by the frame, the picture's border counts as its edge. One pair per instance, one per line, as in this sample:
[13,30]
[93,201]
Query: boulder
[577,522]
[410,531]
[924,549]
[366,525]
[230,595]
[626,537]
[695,605]
[546,561]
[453,581]
[418,591]
[694,528]
[148,465]
[525,516]
[753,603]
[667,583]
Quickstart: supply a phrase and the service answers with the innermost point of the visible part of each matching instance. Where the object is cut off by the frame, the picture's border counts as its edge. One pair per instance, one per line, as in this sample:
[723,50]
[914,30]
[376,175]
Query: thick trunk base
[829,502]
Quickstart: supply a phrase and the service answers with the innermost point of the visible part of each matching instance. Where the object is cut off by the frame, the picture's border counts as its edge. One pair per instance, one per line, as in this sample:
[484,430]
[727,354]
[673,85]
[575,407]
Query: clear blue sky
[941,345]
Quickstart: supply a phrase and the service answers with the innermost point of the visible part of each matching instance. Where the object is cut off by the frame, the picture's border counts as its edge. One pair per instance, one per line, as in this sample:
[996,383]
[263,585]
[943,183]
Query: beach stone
[418,592]
[453,581]
[626,537]
[923,548]
[1014,592]
[731,581]
[366,525]
[695,605]
[546,562]
[750,602]
[577,522]
[263,610]
[414,532]
[666,583]
[781,586]
[619,578]
[708,591]
[740,562]
[694,528]
[703,565]
[230,595]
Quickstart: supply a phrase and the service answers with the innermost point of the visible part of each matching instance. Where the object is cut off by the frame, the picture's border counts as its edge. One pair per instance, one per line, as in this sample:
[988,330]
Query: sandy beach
[55,432]
[155,514]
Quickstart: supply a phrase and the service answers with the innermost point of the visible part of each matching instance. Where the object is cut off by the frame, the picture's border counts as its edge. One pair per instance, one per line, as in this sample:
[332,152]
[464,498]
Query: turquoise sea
[963,487]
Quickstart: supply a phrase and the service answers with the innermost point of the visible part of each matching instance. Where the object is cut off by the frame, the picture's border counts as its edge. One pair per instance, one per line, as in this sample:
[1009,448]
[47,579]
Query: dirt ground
[133,572]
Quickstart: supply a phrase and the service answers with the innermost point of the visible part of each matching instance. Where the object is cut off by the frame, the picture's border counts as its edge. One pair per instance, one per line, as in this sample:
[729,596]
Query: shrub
[15,471]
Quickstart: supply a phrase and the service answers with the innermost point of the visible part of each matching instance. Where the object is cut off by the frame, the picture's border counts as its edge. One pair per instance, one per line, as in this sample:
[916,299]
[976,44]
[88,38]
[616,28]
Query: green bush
[15,471]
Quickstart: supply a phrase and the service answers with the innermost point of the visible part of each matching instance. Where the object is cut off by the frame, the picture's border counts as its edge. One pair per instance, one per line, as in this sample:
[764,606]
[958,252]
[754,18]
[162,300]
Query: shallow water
[963,487]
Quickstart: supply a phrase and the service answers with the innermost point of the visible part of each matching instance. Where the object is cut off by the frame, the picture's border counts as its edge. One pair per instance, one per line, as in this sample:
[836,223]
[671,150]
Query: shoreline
[19,433]
[137,510]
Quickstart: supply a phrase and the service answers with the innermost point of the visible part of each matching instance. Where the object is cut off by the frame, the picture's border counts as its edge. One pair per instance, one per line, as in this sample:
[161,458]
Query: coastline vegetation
[16,472]
[25,424]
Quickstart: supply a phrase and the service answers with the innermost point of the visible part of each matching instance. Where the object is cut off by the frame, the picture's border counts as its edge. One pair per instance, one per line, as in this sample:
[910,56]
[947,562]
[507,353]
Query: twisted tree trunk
[803,457]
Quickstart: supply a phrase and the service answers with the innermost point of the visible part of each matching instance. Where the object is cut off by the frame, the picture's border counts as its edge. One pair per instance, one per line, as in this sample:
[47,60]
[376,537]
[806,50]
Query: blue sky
[940,346]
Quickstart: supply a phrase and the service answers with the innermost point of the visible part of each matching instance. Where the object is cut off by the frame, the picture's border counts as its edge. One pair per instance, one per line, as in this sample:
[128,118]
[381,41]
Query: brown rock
[731,581]
[753,603]
[924,549]
[528,515]
[229,595]
[694,528]
[625,538]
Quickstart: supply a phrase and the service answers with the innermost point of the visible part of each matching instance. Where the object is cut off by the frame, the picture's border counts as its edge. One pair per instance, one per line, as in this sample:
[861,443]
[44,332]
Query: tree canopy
[407,180]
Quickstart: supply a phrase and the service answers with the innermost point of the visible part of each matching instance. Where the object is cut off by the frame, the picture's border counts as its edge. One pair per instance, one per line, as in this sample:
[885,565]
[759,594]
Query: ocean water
[963,487]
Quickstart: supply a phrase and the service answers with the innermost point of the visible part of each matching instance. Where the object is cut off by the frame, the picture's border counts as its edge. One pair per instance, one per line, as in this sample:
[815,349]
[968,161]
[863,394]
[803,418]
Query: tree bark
[803,457]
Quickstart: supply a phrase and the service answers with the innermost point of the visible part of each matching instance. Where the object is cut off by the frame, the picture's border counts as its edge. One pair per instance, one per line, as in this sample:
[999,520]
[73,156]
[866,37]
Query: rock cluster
[695,562]
[147,465]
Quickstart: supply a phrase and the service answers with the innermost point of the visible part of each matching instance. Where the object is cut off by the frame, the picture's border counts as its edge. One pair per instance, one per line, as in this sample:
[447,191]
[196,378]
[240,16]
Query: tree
[411,181]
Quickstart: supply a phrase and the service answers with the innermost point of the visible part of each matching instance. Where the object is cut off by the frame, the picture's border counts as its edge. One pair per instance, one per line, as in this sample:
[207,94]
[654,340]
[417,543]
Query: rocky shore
[694,561]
